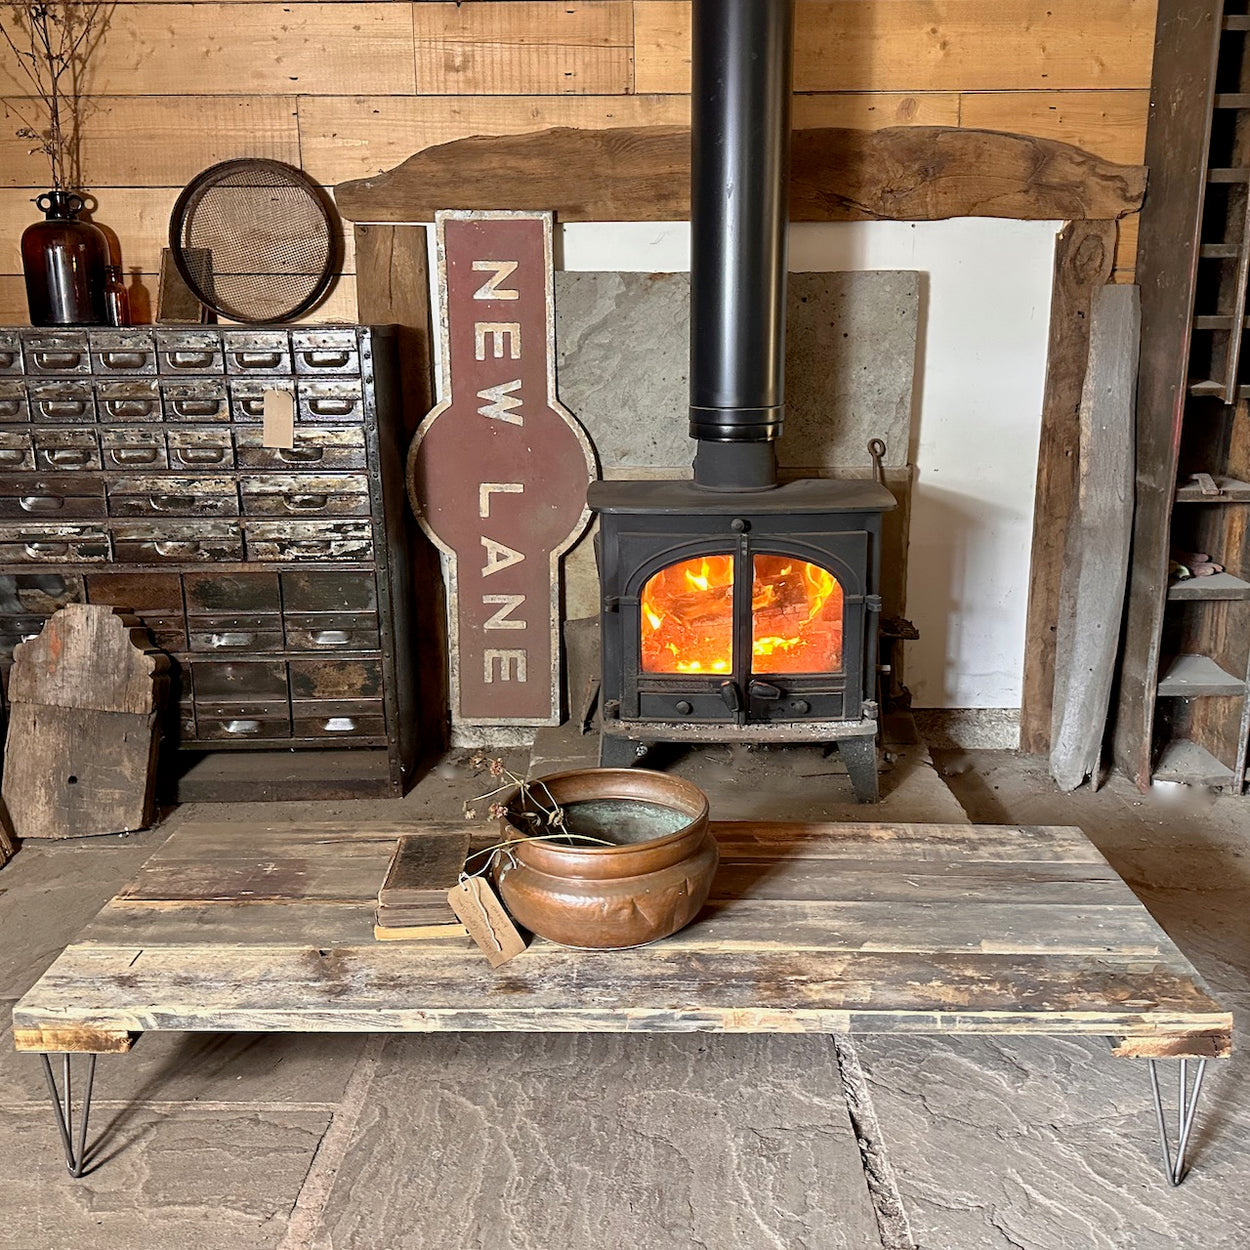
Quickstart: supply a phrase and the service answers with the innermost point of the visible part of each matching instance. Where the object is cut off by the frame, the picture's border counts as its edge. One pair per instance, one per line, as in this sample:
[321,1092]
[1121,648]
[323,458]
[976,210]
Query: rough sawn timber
[912,173]
[863,928]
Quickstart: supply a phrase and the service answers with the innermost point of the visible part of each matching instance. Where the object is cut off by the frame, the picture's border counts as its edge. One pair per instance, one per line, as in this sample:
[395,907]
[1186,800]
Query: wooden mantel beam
[902,173]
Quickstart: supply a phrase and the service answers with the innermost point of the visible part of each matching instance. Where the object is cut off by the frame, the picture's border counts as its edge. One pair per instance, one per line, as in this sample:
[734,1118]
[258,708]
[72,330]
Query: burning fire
[796,611]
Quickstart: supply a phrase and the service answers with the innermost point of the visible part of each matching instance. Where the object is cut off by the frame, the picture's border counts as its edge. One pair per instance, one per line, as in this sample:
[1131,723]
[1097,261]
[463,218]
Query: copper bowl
[637,890]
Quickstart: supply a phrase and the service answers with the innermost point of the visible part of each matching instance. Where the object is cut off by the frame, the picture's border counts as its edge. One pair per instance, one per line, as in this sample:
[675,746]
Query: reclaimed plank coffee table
[825,928]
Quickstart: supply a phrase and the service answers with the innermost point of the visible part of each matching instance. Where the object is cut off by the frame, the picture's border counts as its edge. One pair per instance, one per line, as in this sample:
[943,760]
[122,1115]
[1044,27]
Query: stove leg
[1186,1105]
[860,757]
[75,1149]
[616,752]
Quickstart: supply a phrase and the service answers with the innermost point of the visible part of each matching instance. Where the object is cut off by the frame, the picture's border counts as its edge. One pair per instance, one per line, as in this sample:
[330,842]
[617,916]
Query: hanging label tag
[481,912]
[279,419]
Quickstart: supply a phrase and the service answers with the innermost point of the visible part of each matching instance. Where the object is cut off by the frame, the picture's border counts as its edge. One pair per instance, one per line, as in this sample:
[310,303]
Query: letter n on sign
[498,470]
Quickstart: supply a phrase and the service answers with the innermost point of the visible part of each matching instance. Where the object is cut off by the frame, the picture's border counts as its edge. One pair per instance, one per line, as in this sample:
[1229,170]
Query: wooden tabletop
[864,928]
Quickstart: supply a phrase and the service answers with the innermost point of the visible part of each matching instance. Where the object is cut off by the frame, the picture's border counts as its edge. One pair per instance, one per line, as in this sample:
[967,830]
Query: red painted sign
[499,469]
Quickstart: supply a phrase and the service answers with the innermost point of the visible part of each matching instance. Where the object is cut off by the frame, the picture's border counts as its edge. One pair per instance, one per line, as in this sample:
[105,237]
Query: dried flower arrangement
[53,43]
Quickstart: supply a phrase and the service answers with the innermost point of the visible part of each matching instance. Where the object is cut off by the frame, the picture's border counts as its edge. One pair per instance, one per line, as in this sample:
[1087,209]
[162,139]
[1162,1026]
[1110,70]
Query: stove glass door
[688,617]
[796,617]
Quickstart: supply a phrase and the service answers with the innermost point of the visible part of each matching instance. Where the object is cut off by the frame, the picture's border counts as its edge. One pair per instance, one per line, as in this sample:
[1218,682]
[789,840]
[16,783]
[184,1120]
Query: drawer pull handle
[69,457]
[189,408]
[12,455]
[300,455]
[42,503]
[121,409]
[171,503]
[8,360]
[175,547]
[231,639]
[59,361]
[242,726]
[326,359]
[257,360]
[190,360]
[58,408]
[305,503]
[331,407]
[331,638]
[340,725]
[311,547]
[123,360]
[40,551]
[133,455]
[201,455]
[10,409]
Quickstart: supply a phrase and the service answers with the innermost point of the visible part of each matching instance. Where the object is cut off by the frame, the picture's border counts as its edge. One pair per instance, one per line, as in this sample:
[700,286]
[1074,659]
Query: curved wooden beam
[902,173]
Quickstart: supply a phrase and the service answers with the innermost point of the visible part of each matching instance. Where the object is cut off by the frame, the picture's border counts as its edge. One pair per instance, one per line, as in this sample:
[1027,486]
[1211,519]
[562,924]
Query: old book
[422,870]
[408,933]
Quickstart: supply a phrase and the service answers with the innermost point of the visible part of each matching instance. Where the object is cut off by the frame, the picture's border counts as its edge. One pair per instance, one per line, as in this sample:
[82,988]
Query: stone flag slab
[498,471]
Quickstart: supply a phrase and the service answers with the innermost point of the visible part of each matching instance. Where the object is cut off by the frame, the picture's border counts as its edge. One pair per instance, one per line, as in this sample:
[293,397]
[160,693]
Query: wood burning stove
[735,608]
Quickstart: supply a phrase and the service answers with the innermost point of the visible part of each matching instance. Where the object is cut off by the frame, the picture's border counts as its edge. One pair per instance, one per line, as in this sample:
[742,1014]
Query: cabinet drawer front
[57,355]
[332,631]
[38,594]
[168,632]
[17,451]
[251,352]
[247,396]
[10,352]
[329,590]
[187,352]
[58,497]
[204,399]
[128,401]
[348,718]
[58,544]
[13,403]
[61,403]
[176,542]
[336,679]
[159,594]
[130,352]
[57,449]
[133,449]
[199,449]
[240,682]
[224,725]
[309,540]
[325,353]
[243,634]
[159,495]
[330,402]
[314,449]
[305,494]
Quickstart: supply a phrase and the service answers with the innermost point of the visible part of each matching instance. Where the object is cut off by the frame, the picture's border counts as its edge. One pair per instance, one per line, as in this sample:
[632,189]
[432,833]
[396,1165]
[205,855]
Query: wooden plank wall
[349,88]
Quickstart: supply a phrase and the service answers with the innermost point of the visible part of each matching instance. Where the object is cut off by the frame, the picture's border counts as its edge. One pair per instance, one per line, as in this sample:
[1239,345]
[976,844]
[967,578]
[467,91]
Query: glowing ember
[687,617]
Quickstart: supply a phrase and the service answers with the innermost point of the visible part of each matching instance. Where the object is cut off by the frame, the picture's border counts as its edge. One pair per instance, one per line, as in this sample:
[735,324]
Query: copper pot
[618,895]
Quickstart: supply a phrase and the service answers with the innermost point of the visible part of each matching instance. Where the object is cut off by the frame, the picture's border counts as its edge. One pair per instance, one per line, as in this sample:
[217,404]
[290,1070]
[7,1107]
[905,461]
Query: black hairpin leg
[1186,1105]
[63,1107]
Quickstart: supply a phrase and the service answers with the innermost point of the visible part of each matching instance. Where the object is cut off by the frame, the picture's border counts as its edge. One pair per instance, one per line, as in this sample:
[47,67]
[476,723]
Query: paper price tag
[481,912]
[278,416]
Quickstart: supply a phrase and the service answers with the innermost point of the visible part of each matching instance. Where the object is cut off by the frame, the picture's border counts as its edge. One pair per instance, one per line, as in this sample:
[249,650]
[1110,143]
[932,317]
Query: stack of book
[413,902]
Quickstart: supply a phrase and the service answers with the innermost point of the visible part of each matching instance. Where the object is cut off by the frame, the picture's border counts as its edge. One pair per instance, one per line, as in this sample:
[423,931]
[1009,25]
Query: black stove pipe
[740,174]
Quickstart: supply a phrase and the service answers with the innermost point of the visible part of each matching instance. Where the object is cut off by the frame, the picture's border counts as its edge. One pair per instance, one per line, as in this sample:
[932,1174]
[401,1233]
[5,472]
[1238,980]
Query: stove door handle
[731,696]
[763,690]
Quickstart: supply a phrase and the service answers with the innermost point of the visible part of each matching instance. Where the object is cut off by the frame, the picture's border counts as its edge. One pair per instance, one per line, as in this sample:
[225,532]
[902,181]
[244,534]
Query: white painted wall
[982,364]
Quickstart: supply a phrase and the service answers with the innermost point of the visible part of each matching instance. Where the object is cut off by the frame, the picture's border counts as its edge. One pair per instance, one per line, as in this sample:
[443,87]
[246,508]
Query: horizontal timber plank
[837,174]
[915,45]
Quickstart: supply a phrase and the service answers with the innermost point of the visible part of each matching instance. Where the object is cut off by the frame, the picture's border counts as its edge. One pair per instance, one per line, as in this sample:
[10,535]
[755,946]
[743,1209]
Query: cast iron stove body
[735,608]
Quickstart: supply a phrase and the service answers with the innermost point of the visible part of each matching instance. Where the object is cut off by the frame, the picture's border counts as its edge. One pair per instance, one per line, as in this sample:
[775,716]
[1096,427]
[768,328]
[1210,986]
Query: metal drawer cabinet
[38,594]
[129,353]
[343,718]
[53,544]
[60,496]
[13,403]
[64,403]
[56,354]
[198,399]
[10,352]
[133,448]
[293,541]
[305,495]
[328,403]
[240,700]
[326,678]
[188,353]
[247,396]
[256,352]
[325,353]
[128,401]
[63,447]
[17,451]
[161,495]
[315,448]
[175,542]
[199,449]
[153,596]
[233,612]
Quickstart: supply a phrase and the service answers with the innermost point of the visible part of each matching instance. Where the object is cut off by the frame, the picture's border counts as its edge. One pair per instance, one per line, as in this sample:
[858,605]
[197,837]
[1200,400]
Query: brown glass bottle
[64,261]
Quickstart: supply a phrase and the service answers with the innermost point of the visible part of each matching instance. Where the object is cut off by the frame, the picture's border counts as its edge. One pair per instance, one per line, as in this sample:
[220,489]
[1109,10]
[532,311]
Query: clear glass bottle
[116,301]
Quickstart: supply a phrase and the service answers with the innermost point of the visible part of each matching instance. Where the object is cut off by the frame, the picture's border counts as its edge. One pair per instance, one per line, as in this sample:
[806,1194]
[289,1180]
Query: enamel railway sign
[499,469]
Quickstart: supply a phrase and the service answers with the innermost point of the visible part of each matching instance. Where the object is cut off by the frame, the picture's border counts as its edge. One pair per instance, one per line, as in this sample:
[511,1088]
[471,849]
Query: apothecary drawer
[204,399]
[188,352]
[56,354]
[289,494]
[17,451]
[247,396]
[345,718]
[129,352]
[59,497]
[61,403]
[65,448]
[240,683]
[165,495]
[226,722]
[321,353]
[176,542]
[251,352]
[316,591]
[10,352]
[314,449]
[330,402]
[134,448]
[336,679]
[53,544]
[238,633]
[128,401]
[13,403]
[216,594]
[309,540]
[199,449]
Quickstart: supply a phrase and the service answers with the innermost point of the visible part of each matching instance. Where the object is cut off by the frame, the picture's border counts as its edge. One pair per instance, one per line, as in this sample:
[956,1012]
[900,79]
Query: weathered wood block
[80,756]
